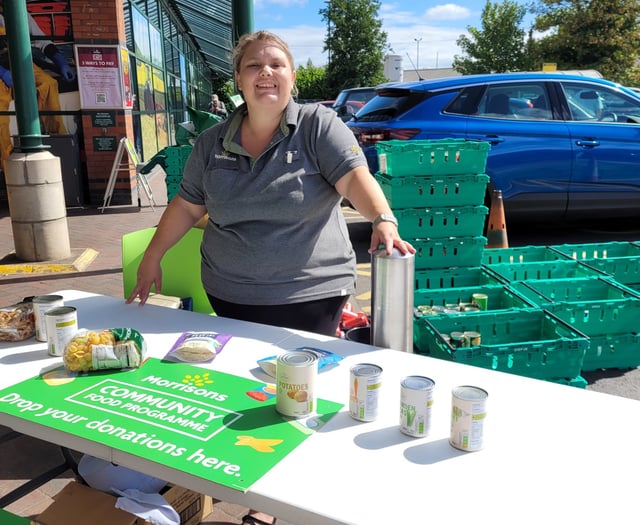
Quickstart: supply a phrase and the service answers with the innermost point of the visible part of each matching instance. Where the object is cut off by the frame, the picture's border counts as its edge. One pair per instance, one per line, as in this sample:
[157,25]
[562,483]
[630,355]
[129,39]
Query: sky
[422,32]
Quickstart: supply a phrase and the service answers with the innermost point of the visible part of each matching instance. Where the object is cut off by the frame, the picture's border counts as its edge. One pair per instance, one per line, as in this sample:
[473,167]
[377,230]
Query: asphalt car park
[563,147]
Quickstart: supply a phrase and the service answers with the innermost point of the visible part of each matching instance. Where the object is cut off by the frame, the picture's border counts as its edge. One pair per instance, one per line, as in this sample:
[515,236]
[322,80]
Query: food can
[468,412]
[416,398]
[295,383]
[480,299]
[474,338]
[62,324]
[458,340]
[42,303]
[364,390]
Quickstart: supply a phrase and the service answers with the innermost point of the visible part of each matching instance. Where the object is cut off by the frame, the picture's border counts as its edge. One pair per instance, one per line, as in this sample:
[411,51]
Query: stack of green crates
[175,157]
[593,287]
[436,189]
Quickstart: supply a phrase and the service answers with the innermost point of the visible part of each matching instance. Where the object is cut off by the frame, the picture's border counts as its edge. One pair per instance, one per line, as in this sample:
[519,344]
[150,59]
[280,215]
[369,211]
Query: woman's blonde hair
[261,36]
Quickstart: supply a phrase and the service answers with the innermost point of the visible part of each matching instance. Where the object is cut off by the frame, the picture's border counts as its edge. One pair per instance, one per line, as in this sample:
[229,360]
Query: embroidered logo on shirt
[225,155]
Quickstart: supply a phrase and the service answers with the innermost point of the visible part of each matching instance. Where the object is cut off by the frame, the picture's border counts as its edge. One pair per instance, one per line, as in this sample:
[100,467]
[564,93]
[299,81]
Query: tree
[355,42]
[311,82]
[499,46]
[596,34]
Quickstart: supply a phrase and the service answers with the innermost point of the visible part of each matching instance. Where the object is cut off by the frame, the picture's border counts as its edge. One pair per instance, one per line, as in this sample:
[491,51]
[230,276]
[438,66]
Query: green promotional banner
[213,425]
[6,518]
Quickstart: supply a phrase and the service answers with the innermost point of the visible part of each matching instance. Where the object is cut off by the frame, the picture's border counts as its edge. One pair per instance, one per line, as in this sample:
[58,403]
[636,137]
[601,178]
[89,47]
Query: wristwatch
[384,217]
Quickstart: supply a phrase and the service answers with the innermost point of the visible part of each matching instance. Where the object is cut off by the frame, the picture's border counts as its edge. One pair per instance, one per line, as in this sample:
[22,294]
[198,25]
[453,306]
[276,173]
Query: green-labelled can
[416,399]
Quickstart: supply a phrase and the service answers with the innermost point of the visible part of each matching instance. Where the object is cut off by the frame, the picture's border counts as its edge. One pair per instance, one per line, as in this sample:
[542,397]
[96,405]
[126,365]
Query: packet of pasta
[115,348]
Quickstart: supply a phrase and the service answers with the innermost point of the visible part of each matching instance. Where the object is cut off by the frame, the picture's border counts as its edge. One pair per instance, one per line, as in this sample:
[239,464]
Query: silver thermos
[392,284]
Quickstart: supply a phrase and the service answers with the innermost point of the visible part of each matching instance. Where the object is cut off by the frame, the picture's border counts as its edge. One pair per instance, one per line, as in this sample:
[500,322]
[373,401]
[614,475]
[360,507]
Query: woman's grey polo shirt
[276,233]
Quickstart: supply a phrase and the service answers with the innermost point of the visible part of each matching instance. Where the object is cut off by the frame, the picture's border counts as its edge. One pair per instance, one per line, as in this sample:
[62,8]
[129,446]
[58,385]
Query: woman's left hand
[386,233]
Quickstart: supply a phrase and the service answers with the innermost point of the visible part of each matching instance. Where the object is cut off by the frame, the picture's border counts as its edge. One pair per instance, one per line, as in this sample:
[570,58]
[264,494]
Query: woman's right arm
[176,220]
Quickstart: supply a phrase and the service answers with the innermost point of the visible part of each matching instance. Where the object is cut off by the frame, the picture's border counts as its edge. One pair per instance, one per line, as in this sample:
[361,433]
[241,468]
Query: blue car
[562,146]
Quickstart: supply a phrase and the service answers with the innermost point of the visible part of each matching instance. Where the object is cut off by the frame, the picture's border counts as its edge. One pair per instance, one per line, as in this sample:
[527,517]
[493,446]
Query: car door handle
[494,139]
[587,143]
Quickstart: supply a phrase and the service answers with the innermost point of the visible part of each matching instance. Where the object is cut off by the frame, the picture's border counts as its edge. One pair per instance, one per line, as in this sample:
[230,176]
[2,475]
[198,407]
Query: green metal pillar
[241,18]
[33,175]
[24,84]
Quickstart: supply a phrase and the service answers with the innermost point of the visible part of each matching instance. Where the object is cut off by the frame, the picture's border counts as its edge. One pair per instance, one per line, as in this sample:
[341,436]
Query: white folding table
[553,453]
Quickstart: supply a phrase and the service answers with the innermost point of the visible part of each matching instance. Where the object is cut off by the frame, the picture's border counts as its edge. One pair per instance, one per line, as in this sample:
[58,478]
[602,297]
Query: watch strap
[384,217]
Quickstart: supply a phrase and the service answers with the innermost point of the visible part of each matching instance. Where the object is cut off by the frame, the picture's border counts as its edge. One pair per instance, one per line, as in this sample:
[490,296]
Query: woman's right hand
[149,274]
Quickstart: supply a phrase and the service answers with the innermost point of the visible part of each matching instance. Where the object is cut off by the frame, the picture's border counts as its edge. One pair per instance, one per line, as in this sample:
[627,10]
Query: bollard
[36,204]
[392,284]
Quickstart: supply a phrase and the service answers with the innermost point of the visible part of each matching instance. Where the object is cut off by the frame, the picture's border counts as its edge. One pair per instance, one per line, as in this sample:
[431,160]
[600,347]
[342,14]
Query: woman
[276,248]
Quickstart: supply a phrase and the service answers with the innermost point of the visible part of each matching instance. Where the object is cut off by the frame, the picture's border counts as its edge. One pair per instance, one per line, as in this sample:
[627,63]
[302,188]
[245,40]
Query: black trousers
[321,317]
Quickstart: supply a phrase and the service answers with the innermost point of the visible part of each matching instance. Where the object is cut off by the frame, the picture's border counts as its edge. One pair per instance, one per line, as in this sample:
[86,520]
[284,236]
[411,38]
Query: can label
[416,399]
[364,390]
[295,383]
[468,412]
[62,325]
[481,300]
[42,303]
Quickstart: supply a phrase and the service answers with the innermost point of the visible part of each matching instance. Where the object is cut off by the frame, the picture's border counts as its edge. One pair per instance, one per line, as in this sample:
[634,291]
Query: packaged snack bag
[197,347]
[114,348]
[17,322]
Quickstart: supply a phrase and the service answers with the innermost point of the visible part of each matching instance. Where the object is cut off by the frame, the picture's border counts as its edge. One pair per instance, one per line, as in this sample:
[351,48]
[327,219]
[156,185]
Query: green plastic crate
[172,190]
[594,305]
[600,291]
[460,221]
[434,190]
[498,298]
[612,350]
[559,269]
[529,342]
[177,154]
[464,277]
[399,158]
[577,382]
[520,254]
[621,260]
[448,252]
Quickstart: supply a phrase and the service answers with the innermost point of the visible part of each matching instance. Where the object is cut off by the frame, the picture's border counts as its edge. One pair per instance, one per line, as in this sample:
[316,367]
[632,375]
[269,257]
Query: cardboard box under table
[527,341]
[79,504]
[600,307]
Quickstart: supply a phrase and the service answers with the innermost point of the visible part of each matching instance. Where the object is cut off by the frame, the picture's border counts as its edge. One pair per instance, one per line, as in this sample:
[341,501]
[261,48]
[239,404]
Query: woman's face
[265,76]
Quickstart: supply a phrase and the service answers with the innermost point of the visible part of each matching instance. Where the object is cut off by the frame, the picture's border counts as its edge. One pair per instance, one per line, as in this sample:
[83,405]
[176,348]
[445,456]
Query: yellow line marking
[365,296]
[77,265]
[364,269]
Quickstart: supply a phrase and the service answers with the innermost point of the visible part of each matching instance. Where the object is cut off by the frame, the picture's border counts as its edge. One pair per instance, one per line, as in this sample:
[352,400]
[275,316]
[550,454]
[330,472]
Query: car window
[390,103]
[515,101]
[596,103]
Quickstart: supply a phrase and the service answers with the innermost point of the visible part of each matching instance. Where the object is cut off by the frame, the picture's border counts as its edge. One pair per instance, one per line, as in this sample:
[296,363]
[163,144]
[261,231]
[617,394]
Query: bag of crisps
[17,322]
[115,348]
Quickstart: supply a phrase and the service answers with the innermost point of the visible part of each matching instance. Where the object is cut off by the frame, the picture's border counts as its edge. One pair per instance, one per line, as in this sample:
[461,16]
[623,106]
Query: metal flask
[392,284]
